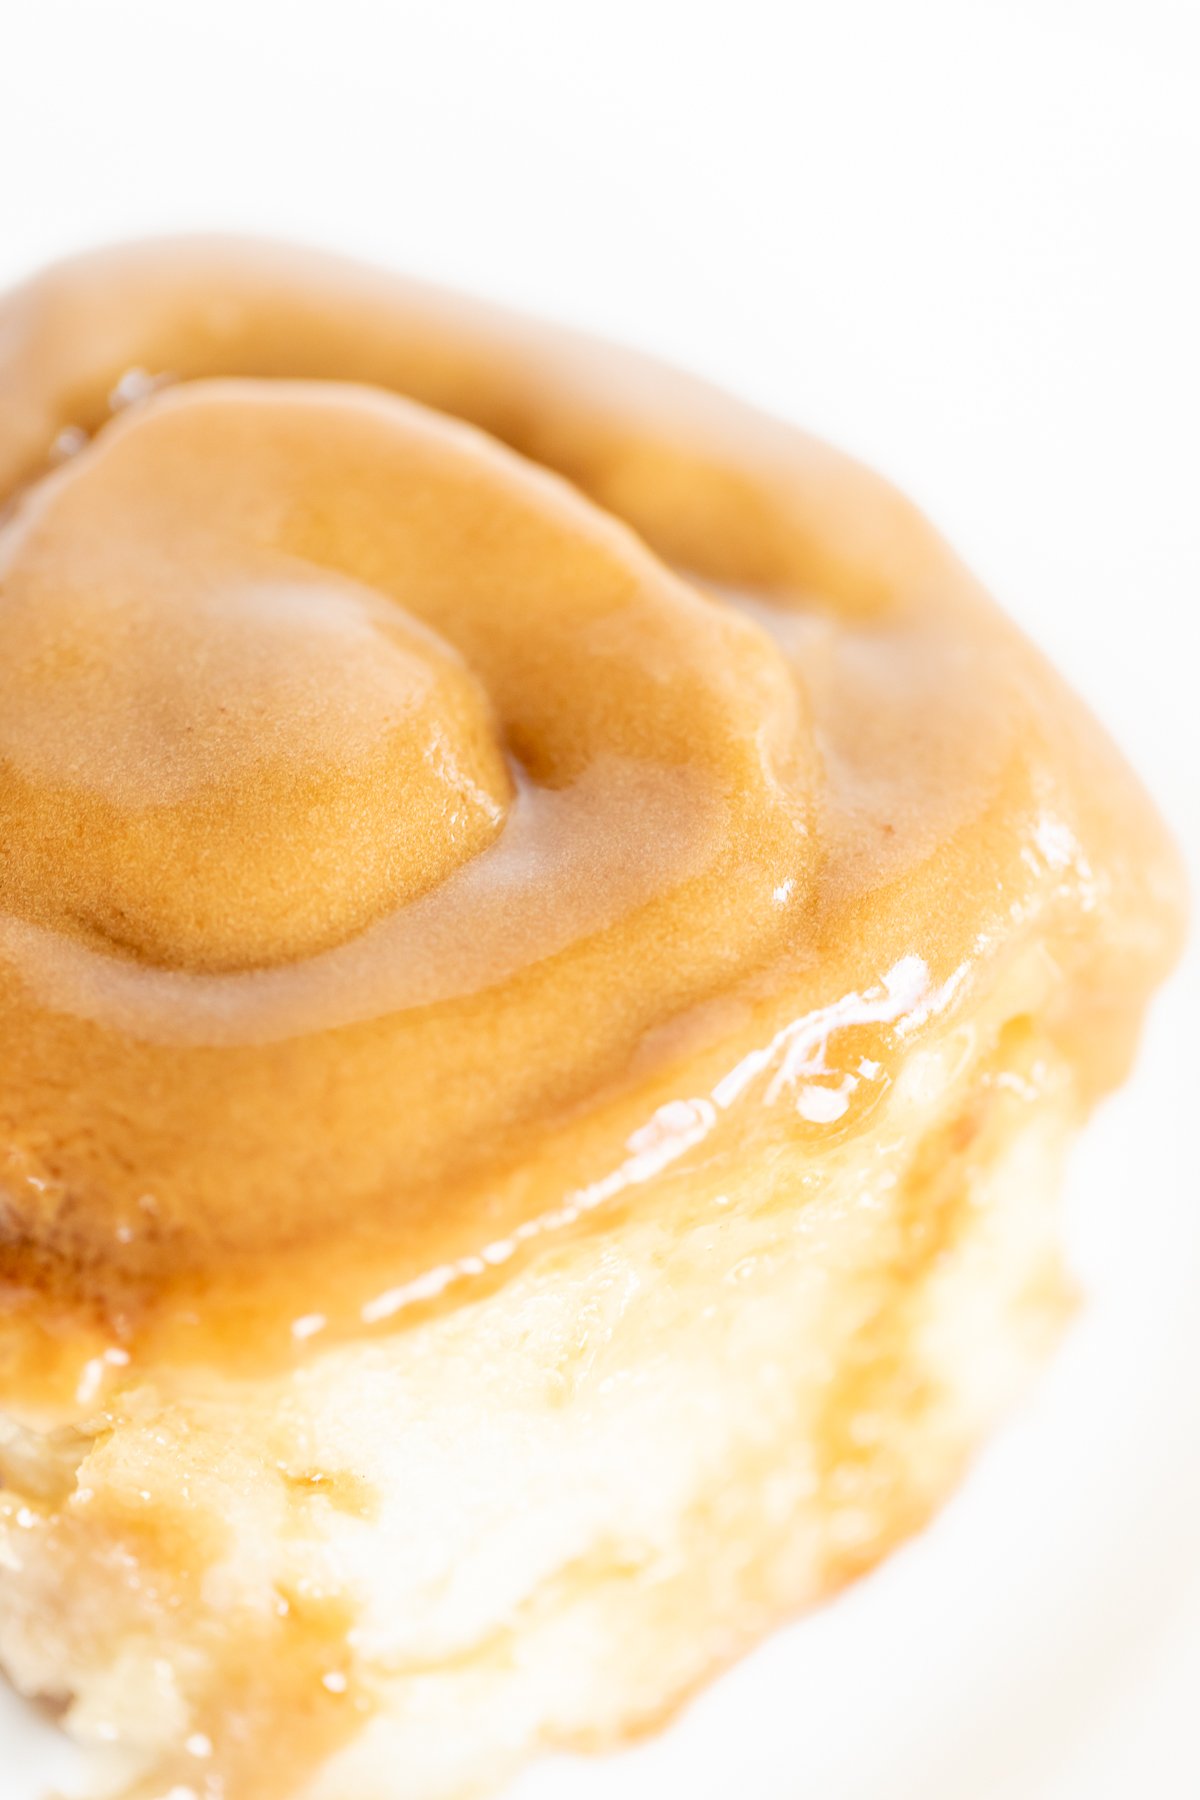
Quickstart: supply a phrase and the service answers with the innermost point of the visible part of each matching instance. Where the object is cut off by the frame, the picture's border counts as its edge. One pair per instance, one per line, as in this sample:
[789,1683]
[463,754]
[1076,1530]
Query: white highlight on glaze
[825,1105]
[800,1048]
[69,442]
[95,1372]
[933,1003]
[135,385]
[308,1326]
[1056,842]
[1056,852]
[796,1054]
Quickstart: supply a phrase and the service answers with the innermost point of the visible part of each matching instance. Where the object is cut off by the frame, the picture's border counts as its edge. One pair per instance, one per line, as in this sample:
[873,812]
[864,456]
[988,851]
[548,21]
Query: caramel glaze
[408,854]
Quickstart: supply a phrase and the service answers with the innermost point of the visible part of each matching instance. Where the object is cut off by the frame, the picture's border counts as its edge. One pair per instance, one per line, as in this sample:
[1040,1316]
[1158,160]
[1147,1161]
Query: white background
[961,239]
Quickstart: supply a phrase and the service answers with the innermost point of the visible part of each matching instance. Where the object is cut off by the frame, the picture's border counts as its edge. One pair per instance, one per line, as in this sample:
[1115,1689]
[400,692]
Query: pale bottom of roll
[542,1519]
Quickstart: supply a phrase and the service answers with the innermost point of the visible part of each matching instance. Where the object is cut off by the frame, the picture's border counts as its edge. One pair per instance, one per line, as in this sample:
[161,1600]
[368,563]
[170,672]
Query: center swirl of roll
[279,661]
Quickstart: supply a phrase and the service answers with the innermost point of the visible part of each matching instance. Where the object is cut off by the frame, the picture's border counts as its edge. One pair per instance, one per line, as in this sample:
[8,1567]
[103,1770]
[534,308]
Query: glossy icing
[409,853]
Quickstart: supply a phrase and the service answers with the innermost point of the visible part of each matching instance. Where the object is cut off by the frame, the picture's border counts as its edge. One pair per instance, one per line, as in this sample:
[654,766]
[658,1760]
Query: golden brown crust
[392,840]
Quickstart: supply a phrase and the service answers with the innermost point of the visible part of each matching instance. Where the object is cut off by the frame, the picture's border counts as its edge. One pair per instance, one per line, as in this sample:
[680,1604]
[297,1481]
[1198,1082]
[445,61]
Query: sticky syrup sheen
[412,856]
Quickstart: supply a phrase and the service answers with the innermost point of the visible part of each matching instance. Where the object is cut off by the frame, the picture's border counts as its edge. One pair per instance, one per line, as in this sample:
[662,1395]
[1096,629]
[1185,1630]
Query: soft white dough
[570,1500]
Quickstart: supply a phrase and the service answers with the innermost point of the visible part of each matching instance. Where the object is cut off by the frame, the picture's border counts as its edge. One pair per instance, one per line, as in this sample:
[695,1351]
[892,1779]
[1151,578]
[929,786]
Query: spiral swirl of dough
[377,803]
[369,775]
[277,662]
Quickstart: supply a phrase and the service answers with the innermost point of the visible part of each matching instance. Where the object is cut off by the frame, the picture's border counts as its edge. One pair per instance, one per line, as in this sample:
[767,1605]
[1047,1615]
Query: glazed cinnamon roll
[551,941]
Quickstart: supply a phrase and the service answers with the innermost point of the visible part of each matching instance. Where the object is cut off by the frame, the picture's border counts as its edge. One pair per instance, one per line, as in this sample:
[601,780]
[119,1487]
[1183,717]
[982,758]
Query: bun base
[542,1518]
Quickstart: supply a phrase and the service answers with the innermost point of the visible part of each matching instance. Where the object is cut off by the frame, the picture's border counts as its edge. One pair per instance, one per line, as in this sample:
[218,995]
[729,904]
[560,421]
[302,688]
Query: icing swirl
[383,819]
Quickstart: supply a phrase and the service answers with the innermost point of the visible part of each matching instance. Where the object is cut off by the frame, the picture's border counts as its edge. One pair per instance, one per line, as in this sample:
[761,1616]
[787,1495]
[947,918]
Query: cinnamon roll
[551,942]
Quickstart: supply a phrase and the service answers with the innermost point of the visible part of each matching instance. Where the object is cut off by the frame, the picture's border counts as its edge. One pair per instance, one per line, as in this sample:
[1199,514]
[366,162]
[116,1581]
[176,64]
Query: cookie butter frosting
[417,842]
